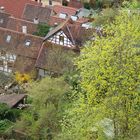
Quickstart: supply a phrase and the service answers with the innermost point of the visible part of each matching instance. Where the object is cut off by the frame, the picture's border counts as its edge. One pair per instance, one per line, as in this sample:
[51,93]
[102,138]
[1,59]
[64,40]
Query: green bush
[87,5]
[7,113]
[5,125]
[42,30]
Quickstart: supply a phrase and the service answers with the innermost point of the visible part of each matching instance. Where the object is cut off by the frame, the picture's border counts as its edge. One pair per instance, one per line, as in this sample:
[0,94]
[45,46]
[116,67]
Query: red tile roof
[64,9]
[16,7]
[55,20]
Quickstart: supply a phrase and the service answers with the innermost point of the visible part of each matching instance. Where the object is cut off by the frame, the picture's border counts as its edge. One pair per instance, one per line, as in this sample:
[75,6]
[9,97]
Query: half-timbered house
[69,34]
[18,51]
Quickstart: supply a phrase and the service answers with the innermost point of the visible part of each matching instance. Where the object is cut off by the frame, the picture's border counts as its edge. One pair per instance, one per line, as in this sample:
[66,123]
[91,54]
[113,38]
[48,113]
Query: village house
[69,34]
[22,51]
[18,51]
[53,15]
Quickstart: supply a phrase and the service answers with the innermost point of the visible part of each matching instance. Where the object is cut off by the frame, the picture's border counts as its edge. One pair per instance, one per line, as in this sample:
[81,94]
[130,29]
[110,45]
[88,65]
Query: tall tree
[41,120]
[110,73]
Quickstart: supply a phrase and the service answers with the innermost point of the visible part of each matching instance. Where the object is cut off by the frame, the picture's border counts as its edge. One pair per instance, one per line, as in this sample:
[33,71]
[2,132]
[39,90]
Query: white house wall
[5,59]
[56,39]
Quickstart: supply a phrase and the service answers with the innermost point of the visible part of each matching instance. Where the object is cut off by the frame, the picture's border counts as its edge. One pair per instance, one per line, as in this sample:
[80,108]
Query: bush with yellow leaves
[22,78]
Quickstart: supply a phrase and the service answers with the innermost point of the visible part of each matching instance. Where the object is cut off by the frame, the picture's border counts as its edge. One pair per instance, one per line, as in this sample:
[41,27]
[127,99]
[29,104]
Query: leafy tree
[4,126]
[7,113]
[110,72]
[106,16]
[59,60]
[41,121]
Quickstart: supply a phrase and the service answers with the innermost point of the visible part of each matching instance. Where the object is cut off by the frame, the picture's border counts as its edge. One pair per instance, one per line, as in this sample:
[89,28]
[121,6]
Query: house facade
[24,52]
[18,51]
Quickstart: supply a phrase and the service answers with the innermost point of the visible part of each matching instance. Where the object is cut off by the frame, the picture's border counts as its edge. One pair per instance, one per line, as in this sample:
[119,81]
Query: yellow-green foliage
[110,71]
[109,105]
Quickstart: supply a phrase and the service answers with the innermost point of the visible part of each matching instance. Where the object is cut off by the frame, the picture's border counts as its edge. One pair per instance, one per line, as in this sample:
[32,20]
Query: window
[1,62]
[27,43]
[62,15]
[1,21]
[7,61]
[24,29]
[8,38]
[74,18]
[61,40]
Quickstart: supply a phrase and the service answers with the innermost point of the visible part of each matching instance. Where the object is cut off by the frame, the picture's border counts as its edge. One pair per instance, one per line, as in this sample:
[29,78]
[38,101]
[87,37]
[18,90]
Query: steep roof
[77,34]
[55,30]
[16,7]
[33,11]
[26,55]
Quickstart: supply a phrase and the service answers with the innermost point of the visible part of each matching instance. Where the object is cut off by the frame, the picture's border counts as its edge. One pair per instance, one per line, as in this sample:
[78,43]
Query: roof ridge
[70,34]
[5,29]
[11,17]
[66,7]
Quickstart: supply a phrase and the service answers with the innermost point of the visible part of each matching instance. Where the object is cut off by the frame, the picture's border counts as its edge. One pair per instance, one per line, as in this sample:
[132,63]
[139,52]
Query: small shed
[13,100]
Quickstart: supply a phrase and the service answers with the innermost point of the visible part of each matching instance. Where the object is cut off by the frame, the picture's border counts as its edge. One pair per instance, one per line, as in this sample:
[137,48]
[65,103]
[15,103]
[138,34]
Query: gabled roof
[77,34]
[26,55]
[57,9]
[55,30]
[34,11]
[16,7]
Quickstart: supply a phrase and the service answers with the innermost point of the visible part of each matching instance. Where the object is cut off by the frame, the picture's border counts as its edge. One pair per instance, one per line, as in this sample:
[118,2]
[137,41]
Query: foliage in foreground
[107,92]
[109,105]
[41,121]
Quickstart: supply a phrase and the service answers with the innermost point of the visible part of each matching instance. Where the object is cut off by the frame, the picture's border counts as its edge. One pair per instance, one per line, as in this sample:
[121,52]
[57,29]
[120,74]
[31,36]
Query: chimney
[24,29]
[2,9]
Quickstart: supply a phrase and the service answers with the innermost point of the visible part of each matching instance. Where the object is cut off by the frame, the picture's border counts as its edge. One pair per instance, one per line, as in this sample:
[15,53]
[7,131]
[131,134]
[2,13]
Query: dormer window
[27,43]
[62,15]
[36,20]
[1,21]
[8,38]
[24,29]
[74,18]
